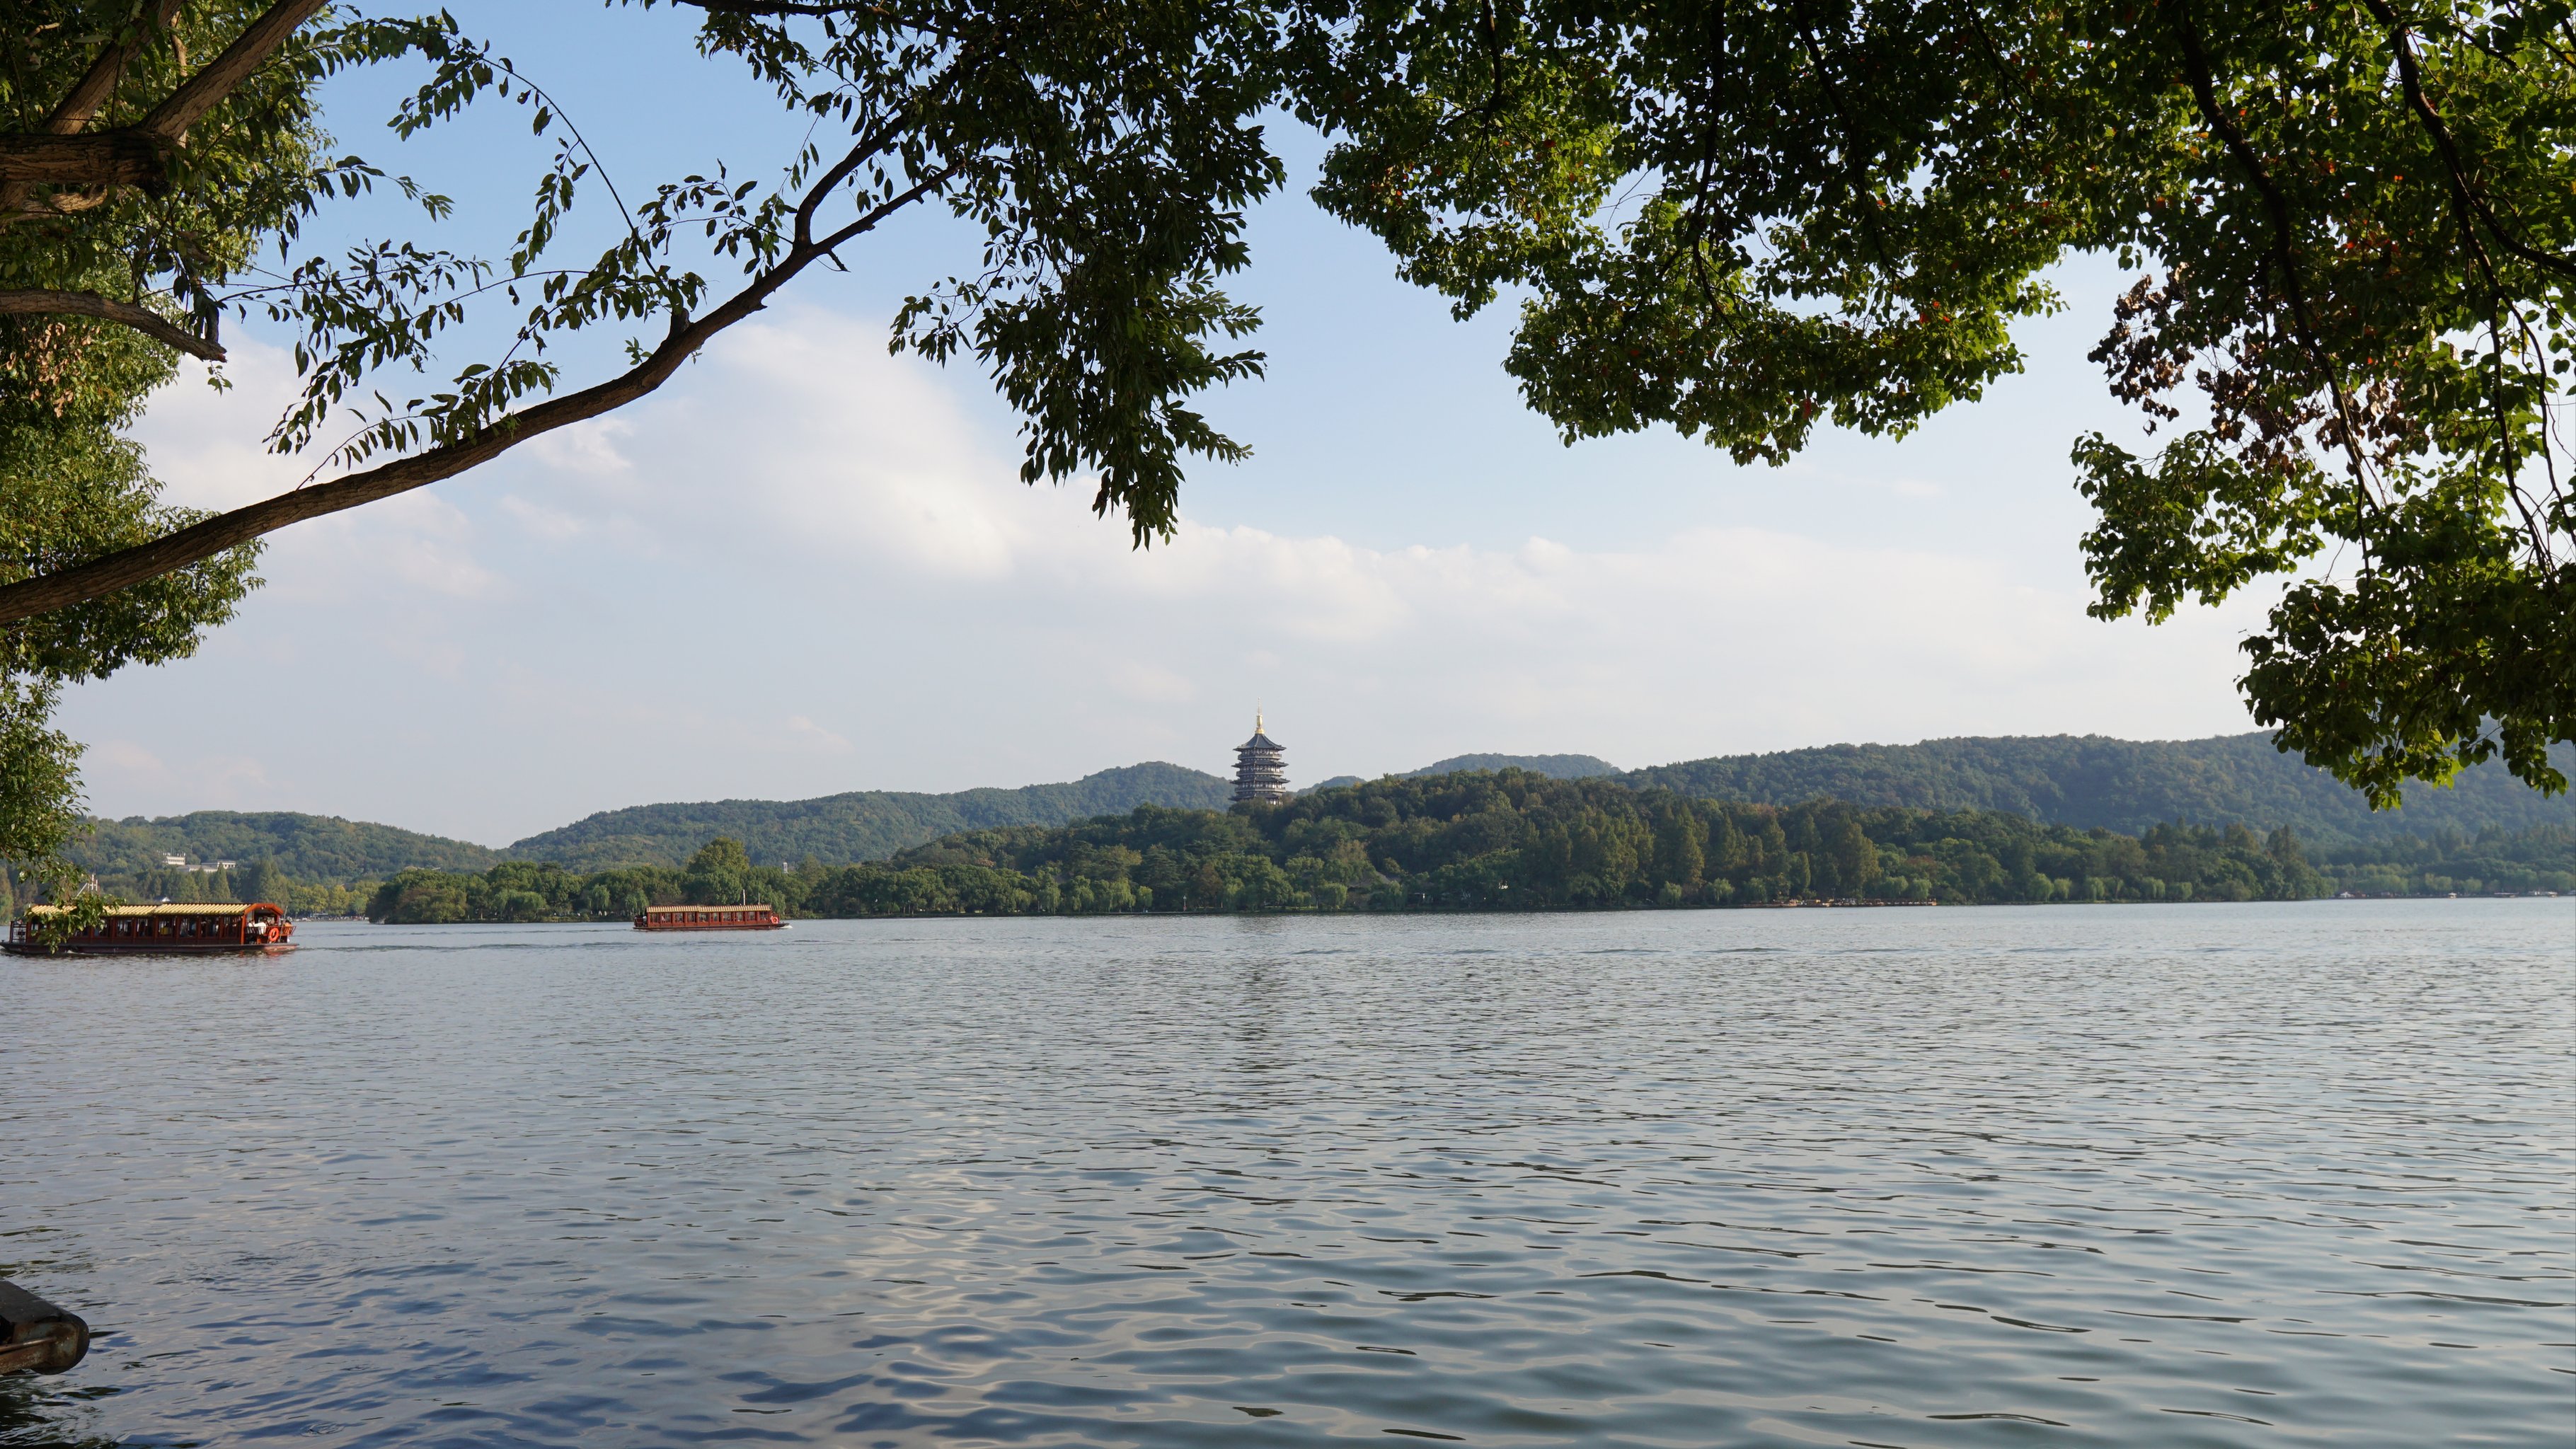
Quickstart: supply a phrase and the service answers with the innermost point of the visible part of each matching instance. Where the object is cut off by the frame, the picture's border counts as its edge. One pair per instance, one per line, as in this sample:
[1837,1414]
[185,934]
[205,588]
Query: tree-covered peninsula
[1504,840]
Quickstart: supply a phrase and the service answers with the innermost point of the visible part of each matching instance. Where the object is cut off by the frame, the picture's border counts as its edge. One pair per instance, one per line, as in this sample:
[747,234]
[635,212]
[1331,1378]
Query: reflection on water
[2229,1175]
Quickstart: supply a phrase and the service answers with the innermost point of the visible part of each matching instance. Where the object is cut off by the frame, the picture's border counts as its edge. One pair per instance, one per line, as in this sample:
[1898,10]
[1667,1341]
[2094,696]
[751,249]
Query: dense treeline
[2541,859]
[523,890]
[1507,840]
[1512,840]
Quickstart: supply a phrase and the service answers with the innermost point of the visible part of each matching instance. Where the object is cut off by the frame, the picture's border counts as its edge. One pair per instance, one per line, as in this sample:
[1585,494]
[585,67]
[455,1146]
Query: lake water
[2181,1175]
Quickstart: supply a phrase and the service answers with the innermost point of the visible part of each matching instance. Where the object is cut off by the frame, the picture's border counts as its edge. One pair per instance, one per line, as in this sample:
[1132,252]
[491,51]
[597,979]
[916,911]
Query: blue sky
[806,567]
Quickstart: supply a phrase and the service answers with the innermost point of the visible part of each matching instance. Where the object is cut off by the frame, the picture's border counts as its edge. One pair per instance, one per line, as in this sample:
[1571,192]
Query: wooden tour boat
[254,927]
[752,917]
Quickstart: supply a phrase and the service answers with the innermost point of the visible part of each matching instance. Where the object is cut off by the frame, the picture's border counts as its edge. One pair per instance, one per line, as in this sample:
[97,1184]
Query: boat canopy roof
[226,909]
[674,910]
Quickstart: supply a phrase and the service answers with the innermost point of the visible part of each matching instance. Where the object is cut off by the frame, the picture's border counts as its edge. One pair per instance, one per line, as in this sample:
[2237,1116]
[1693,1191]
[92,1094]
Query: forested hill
[1507,841]
[307,847]
[1555,767]
[862,825]
[2124,785]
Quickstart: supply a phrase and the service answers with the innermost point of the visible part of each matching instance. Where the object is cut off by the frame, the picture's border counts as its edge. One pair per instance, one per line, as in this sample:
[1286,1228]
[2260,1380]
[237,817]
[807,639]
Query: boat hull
[150,948]
[222,928]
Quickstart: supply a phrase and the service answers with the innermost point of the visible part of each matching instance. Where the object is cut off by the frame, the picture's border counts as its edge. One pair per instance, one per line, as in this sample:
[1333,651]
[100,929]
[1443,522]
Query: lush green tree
[2352,329]
[328,898]
[1680,860]
[1255,883]
[261,880]
[522,905]
[421,897]
[719,874]
[1854,857]
[134,186]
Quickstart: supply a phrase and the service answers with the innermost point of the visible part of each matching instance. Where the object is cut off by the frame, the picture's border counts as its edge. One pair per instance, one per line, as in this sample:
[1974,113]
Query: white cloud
[542,521]
[804,731]
[124,770]
[1147,684]
[588,449]
[208,446]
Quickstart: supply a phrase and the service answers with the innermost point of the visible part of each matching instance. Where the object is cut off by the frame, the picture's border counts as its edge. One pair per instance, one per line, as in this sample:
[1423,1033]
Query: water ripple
[2252,1175]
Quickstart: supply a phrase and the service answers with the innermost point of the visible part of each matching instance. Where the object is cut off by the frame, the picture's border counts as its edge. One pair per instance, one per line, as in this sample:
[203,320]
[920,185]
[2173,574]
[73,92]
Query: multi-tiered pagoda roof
[1260,767]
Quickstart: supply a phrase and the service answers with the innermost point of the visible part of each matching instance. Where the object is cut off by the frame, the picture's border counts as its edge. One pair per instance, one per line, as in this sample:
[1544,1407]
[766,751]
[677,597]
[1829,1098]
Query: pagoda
[1260,767]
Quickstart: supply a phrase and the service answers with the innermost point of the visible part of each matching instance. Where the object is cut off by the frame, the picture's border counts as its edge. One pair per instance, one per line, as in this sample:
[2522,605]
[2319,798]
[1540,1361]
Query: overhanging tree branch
[200,541]
[137,155]
[73,113]
[2284,252]
[99,577]
[94,88]
[171,119]
[2410,76]
[104,158]
[37,302]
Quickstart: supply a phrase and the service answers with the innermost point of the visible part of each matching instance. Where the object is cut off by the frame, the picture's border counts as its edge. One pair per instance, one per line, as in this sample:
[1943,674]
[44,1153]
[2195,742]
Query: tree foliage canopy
[101,286]
[2352,335]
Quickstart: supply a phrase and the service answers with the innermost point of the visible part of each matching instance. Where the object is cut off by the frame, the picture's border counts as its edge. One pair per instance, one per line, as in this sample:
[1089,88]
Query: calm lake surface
[2180,1175]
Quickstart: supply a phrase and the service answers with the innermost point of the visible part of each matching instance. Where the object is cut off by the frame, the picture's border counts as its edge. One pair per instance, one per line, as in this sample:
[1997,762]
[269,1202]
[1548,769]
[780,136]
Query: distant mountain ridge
[306,847]
[1555,767]
[2124,785]
[860,825]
